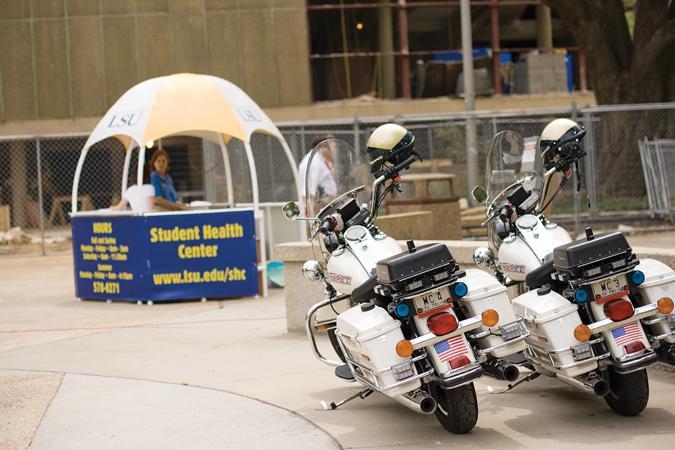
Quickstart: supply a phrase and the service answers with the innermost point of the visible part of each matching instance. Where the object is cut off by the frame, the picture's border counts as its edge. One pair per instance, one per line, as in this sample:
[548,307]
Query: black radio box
[409,265]
[582,253]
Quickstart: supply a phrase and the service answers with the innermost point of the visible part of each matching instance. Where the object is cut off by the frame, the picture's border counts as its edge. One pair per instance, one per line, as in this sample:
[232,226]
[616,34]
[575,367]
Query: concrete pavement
[228,375]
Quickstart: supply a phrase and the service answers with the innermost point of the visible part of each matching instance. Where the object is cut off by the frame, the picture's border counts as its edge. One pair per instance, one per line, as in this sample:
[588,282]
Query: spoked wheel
[629,393]
[457,408]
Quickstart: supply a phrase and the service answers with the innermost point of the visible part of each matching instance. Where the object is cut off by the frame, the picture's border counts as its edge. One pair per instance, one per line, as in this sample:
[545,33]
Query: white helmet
[560,144]
[389,144]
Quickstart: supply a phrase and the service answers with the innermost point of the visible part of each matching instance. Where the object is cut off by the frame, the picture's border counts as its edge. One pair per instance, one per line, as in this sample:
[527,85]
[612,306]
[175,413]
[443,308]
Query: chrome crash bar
[309,328]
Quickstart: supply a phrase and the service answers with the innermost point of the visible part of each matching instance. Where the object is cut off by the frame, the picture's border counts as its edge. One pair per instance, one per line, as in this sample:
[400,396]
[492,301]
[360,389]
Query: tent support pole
[296,180]
[76,182]
[228,170]
[127,163]
[258,214]
[141,163]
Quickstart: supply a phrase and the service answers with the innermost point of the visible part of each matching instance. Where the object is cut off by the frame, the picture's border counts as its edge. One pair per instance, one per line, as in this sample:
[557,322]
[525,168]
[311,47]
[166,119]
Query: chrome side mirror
[479,194]
[312,270]
[484,258]
[291,210]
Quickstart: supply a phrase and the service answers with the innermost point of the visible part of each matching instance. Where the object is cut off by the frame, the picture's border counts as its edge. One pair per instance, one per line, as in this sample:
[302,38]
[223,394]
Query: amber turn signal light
[404,348]
[665,305]
[490,317]
[582,333]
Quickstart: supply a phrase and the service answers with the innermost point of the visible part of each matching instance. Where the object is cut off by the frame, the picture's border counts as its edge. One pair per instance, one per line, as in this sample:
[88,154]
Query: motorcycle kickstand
[529,377]
[333,405]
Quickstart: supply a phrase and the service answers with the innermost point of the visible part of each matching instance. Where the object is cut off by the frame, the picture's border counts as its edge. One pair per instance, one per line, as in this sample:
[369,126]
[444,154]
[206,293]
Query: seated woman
[160,194]
[165,192]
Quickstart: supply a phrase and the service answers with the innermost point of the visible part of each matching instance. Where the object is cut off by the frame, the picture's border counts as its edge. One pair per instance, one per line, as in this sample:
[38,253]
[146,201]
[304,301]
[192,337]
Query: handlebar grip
[393,171]
[328,225]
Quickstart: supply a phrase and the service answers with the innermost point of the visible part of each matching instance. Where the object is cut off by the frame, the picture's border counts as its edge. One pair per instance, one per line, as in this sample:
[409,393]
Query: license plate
[609,288]
[432,300]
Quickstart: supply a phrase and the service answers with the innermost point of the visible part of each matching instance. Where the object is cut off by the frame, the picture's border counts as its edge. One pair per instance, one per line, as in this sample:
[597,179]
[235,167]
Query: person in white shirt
[139,198]
[320,178]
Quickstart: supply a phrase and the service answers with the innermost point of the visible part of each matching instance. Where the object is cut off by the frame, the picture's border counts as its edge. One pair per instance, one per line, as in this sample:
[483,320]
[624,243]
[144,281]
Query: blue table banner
[167,256]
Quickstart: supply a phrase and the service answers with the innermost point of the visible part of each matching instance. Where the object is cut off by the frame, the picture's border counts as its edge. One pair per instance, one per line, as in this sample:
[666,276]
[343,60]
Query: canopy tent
[184,104]
[187,104]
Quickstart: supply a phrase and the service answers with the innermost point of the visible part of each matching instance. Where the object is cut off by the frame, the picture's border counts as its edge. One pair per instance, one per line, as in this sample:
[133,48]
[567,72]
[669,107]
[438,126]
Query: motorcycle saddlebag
[572,258]
[396,271]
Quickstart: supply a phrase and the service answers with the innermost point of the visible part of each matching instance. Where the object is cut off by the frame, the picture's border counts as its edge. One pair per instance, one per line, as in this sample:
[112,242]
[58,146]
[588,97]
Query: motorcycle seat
[365,293]
[542,274]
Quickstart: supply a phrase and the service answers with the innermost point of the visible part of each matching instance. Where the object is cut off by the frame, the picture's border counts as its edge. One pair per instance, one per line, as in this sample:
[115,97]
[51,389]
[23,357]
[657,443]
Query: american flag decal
[627,333]
[450,348]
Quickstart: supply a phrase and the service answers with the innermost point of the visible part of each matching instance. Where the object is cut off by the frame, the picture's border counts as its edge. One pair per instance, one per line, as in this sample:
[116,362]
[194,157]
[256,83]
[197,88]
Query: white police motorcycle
[594,312]
[411,325]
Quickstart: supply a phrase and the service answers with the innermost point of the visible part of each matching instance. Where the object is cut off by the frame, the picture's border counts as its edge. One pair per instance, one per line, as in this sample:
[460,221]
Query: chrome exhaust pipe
[598,386]
[419,401]
[502,370]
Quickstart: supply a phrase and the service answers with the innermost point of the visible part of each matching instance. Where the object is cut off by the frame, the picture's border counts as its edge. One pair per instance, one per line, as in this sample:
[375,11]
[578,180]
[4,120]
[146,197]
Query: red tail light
[618,310]
[442,323]
[634,347]
[459,361]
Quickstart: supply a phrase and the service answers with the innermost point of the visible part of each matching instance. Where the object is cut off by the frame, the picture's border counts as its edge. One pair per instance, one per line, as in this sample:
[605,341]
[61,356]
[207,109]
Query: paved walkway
[228,375]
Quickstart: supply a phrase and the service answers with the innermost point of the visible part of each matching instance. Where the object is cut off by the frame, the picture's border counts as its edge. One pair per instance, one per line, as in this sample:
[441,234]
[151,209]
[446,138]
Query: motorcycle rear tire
[629,393]
[336,345]
[457,409]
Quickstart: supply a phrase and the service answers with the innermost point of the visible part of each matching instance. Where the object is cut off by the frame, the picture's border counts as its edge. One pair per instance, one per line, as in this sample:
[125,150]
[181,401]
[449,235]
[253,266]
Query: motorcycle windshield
[330,170]
[512,158]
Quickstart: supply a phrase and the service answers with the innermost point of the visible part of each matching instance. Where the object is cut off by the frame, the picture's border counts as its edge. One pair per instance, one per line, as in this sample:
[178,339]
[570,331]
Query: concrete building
[74,58]
[71,59]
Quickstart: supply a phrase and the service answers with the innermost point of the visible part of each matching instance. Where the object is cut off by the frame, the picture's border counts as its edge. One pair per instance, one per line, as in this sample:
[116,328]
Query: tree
[631,59]
[624,67]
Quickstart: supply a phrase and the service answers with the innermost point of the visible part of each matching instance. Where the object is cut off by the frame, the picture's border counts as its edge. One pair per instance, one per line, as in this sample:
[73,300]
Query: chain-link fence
[36,172]
[658,160]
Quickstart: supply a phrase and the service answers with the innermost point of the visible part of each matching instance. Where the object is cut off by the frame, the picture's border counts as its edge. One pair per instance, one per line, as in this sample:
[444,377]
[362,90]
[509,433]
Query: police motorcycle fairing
[594,324]
[411,325]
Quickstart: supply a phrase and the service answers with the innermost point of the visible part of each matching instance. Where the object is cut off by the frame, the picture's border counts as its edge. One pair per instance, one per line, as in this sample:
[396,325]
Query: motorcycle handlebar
[393,171]
[328,225]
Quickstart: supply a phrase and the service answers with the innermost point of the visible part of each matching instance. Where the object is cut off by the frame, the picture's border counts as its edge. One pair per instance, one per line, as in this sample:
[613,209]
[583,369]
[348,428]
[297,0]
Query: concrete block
[219,5]
[48,9]
[300,4]
[187,38]
[118,6]
[405,226]
[258,50]
[299,292]
[16,72]
[153,46]
[15,9]
[86,66]
[152,6]
[187,7]
[224,57]
[82,8]
[290,29]
[119,35]
[51,67]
